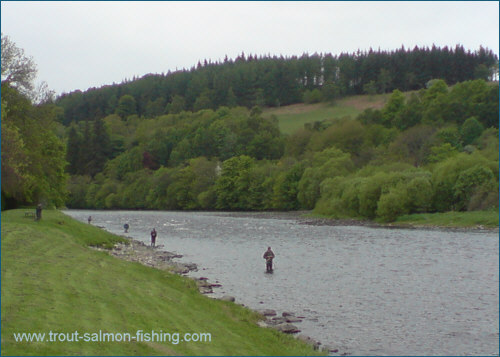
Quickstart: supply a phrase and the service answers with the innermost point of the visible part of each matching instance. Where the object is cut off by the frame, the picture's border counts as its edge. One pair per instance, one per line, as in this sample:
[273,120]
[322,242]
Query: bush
[330,202]
[369,194]
[484,197]
[420,193]
[393,204]
[350,196]
[448,193]
[328,163]
[468,182]
[314,96]
[470,131]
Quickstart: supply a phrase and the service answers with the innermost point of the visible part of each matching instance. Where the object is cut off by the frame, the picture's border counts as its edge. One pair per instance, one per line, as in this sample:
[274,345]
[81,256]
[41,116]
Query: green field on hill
[53,282]
[293,117]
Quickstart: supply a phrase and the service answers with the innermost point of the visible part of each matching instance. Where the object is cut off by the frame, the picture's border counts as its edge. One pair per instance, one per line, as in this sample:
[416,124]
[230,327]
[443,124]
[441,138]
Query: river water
[365,291]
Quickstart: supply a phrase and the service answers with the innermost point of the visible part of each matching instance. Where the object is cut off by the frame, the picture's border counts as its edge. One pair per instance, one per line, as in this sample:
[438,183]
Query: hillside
[251,80]
[293,117]
[426,151]
[52,281]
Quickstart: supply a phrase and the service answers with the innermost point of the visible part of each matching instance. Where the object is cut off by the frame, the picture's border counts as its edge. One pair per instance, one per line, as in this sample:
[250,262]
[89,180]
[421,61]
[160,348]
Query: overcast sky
[77,45]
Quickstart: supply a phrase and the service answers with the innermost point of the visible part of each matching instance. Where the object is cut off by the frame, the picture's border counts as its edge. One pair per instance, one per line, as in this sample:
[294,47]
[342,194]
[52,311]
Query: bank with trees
[434,150]
[187,141]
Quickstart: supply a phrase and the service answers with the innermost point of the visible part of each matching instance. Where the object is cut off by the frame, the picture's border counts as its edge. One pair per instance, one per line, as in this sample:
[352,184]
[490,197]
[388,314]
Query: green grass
[51,281]
[293,117]
[487,219]
[474,219]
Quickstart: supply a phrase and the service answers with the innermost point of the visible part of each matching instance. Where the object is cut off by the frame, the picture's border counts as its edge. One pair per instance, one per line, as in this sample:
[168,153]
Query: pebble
[228,298]
[267,312]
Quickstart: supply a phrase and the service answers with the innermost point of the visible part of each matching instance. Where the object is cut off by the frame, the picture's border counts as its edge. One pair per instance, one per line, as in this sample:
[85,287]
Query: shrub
[470,131]
[393,204]
[468,182]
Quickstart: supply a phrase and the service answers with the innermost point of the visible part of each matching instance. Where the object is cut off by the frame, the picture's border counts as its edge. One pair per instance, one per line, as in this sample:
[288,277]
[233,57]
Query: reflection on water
[366,291]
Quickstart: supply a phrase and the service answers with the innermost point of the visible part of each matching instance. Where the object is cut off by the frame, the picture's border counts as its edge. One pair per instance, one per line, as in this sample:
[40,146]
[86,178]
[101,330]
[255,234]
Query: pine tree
[100,147]
[231,100]
[73,150]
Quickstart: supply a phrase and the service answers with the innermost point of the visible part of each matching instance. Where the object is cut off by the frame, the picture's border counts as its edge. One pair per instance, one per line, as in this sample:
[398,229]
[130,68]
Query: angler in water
[269,256]
[153,237]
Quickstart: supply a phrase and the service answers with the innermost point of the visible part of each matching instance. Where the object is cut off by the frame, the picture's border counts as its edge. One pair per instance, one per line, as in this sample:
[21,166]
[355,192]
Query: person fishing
[126,227]
[153,237]
[269,256]
[38,212]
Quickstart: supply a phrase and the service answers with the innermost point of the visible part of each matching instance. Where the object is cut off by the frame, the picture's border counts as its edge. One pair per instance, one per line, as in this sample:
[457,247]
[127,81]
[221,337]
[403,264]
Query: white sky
[78,45]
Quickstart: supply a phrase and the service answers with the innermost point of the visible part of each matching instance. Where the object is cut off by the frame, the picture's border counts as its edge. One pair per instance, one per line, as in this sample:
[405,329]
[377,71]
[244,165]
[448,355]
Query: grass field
[487,219]
[293,117]
[52,281]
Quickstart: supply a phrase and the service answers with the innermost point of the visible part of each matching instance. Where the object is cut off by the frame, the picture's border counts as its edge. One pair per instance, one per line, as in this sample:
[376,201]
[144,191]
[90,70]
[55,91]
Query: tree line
[433,150]
[33,151]
[276,80]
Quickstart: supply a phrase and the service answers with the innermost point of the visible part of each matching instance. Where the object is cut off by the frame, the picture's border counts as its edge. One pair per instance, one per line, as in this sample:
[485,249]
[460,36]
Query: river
[366,291]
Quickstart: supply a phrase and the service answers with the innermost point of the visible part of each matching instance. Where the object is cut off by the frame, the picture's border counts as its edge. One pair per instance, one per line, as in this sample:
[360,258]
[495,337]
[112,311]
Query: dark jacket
[268,255]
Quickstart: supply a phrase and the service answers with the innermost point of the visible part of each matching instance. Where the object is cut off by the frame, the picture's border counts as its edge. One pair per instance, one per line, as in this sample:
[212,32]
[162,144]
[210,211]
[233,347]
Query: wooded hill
[276,81]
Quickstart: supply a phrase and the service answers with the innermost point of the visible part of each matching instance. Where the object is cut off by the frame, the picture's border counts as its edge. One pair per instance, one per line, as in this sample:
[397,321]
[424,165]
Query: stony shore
[155,257]
[136,251]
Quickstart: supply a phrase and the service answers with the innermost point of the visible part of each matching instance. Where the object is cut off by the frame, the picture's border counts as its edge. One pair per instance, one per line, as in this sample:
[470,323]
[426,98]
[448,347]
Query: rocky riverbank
[136,251]
[155,257]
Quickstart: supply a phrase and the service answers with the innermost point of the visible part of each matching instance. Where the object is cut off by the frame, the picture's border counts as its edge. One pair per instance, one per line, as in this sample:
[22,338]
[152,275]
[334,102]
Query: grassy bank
[52,281]
[474,219]
[486,219]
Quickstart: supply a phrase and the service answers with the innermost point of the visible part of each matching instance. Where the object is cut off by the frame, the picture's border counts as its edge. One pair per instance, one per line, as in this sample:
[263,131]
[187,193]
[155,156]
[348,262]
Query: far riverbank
[447,221]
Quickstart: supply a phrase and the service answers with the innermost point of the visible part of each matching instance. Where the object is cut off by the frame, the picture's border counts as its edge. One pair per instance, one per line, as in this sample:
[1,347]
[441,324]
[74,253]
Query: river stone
[292,319]
[205,290]
[262,323]
[191,266]
[287,328]
[180,269]
[267,312]
[277,320]
[328,348]
[228,298]
[203,283]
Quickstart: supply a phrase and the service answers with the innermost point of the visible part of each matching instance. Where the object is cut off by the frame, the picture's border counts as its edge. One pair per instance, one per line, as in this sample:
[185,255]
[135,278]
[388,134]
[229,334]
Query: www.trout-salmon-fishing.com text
[100,336]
